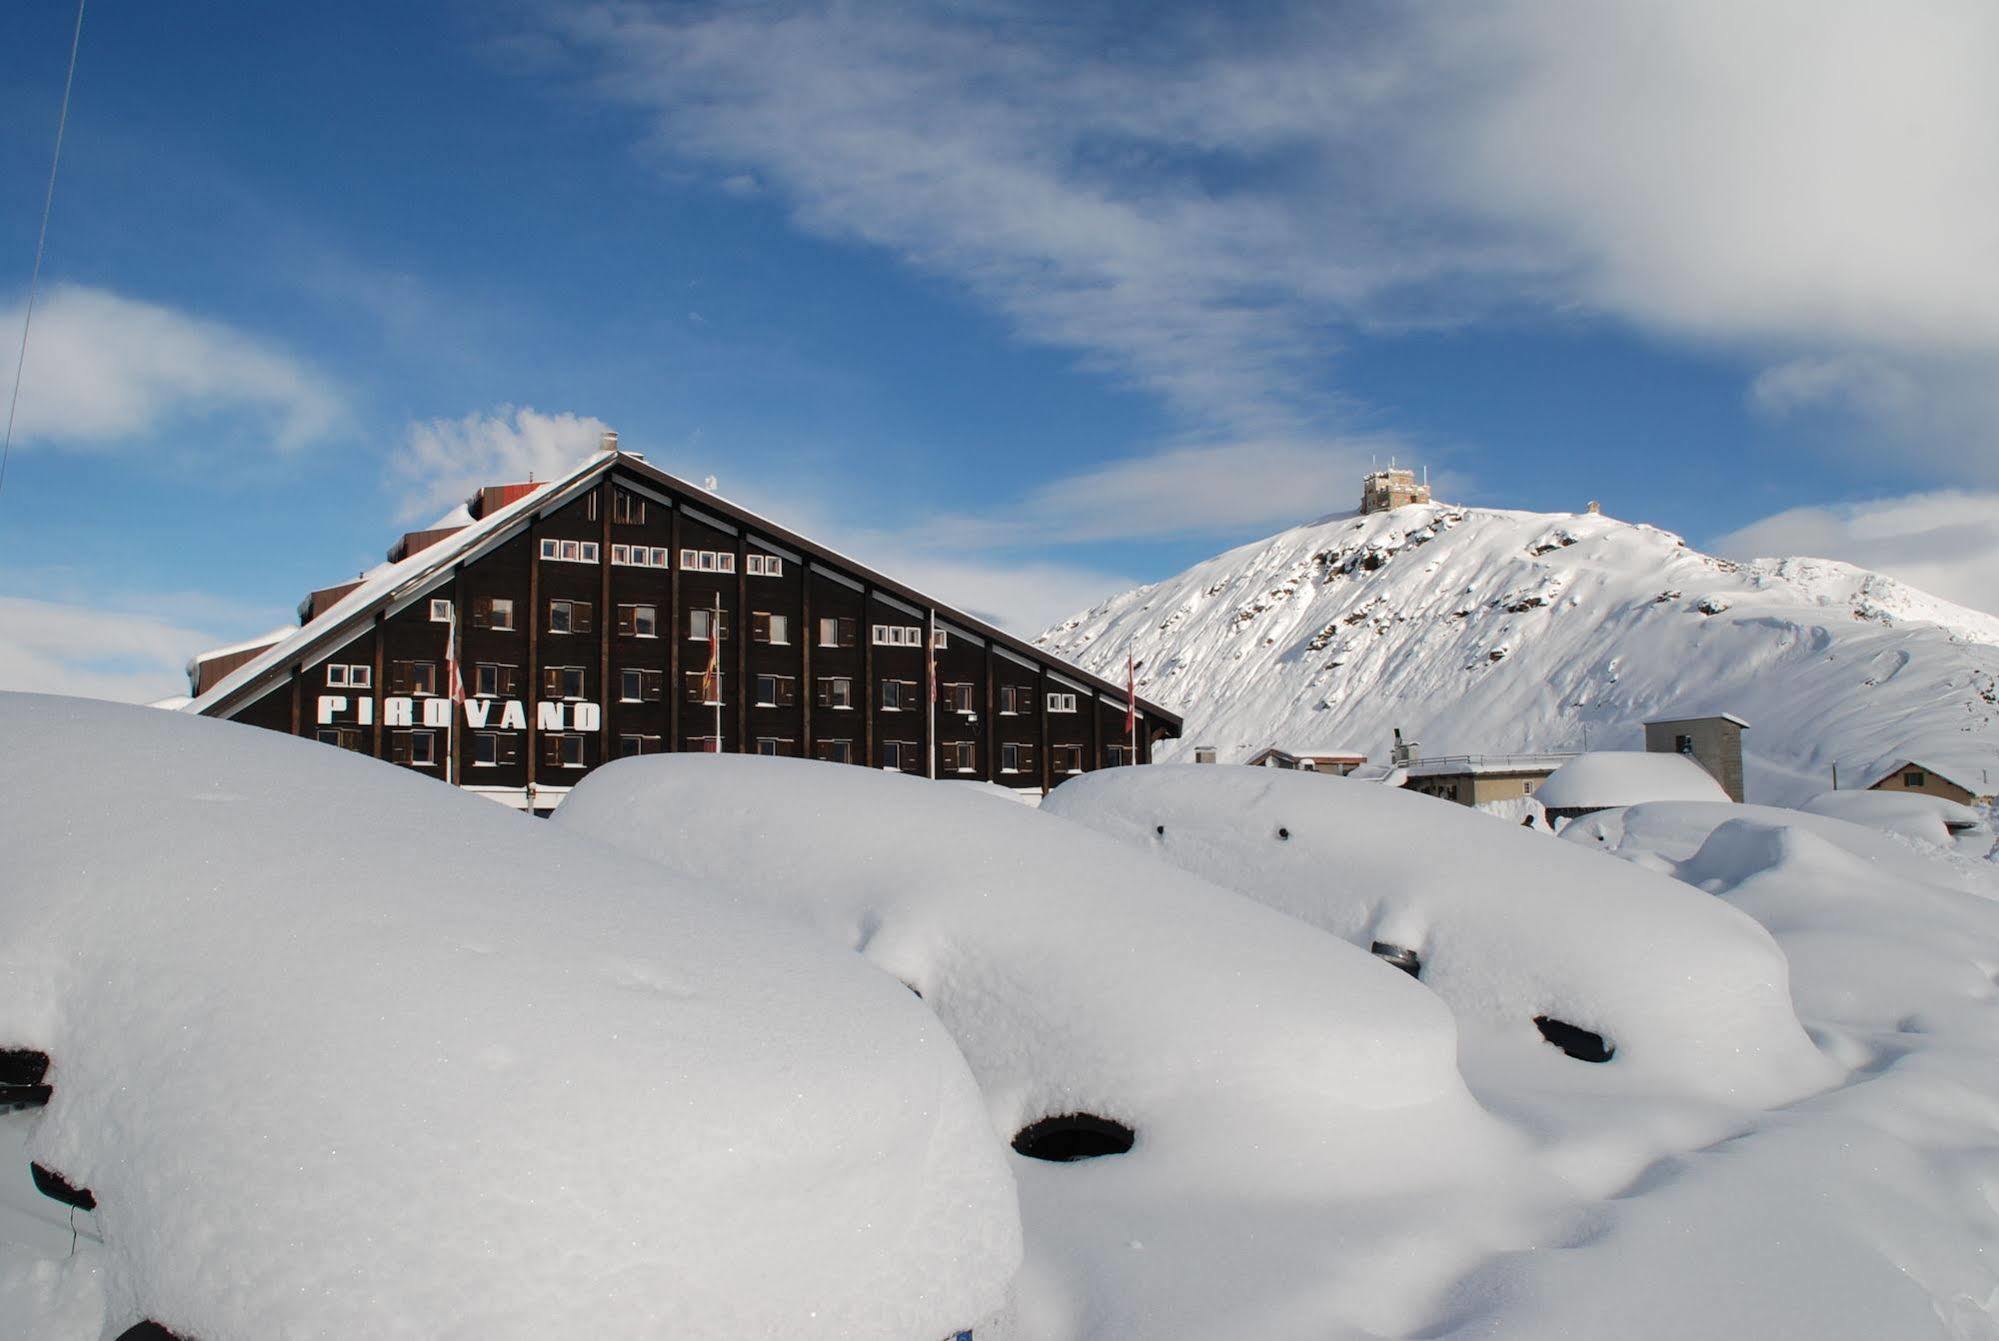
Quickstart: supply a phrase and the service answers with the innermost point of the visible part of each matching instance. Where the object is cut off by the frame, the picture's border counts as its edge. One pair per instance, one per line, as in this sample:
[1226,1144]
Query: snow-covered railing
[1487,763]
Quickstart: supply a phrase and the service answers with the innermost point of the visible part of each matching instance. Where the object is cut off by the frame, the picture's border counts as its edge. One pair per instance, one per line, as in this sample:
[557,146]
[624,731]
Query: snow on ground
[1930,818]
[1867,1210]
[1293,1098]
[344,1053]
[1481,631]
[1604,778]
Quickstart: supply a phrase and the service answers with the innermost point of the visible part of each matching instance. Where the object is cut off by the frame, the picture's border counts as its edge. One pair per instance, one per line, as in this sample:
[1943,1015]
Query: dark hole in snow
[1580,1044]
[1284,834]
[1159,829]
[1072,1136]
[53,1185]
[914,990]
[148,1331]
[22,1071]
[1406,960]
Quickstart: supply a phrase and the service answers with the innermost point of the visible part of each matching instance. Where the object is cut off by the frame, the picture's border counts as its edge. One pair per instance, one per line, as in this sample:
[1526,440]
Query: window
[1066,758]
[571,616]
[898,635]
[899,756]
[835,751]
[638,621]
[705,744]
[776,745]
[636,685]
[570,551]
[493,612]
[939,640]
[769,628]
[564,749]
[898,694]
[1016,758]
[702,689]
[630,746]
[959,696]
[700,622]
[495,749]
[418,749]
[1204,754]
[627,508]
[776,691]
[838,632]
[764,565]
[440,610]
[958,756]
[562,682]
[1061,703]
[836,691]
[344,737]
[495,680]
[1117,755]
[707,561]
[413,677]
[1015,699]
[1915,779]
[336,676]
[1684,744]
[639,556]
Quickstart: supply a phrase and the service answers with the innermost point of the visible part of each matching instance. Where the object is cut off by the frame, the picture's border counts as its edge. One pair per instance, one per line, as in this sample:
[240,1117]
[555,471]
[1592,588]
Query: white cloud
[102,368]
[1212,210]
[1945,543]
[53,648]
[443,460]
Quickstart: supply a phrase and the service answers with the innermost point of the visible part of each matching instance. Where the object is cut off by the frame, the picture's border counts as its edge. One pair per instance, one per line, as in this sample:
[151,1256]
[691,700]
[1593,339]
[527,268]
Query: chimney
[610,440]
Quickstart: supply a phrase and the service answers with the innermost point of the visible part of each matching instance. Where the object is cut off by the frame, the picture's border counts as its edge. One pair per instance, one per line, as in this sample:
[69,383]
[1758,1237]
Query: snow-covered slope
[1483,631]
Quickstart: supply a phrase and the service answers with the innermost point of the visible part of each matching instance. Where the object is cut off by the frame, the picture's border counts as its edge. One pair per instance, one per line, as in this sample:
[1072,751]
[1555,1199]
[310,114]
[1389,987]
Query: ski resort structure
[549,627]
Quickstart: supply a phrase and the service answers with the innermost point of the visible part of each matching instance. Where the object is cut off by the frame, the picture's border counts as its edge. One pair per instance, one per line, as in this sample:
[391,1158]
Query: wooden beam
[533,689]
[869,690]
[1041,712]
[742,622]
[674,690]
[808,692]
[991,769]
[376,690]
[298,688]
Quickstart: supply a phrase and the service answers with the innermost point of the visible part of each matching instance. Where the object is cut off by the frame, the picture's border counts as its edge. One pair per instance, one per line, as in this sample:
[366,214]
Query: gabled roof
[433,566]
[1954,774]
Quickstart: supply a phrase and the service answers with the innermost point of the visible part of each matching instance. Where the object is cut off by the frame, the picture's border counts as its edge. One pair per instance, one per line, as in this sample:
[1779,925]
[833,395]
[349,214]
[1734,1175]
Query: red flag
[454,685]
[711,679]
[1130,695]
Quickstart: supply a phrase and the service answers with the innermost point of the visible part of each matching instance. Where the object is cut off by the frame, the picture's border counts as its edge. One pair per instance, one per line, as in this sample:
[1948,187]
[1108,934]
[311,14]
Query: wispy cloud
[442,461]
[54,648]
[1945,543]
[1212,211]
[105,370]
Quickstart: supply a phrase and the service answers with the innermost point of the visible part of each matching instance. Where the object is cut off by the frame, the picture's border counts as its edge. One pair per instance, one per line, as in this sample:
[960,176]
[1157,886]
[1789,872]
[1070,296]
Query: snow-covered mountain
[1484,631]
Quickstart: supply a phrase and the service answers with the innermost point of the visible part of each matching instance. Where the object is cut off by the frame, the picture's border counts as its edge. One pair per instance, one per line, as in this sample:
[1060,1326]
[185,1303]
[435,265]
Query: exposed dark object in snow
[1159,829]
[21,1074]
[914,990]
[1284,833]
[148,1331]
[56,1187]
[1406,960]
[1072,1136]
[1580,1044]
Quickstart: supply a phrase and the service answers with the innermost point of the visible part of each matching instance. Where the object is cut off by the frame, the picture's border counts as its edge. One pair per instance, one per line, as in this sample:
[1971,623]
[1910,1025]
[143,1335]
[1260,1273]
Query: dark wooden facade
[572,653]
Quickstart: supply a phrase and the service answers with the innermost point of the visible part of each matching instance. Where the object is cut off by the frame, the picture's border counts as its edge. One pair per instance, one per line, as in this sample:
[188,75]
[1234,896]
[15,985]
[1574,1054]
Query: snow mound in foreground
[1259,1064]
[342,1052]
[1606,778]
[1508,925]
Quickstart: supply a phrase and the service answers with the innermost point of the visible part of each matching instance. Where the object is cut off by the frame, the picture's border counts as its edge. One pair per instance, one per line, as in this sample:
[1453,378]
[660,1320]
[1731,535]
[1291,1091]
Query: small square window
[485,749]
[423,749]
[360,677]
[440,611]
[336,676]
[503,612]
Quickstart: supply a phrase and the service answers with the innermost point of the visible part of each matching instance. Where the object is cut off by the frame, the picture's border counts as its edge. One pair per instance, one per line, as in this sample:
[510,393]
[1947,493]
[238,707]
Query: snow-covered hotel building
[620,611]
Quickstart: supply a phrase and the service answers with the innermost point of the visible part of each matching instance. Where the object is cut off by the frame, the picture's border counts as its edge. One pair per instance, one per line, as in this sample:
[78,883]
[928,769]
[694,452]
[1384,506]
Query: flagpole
[715,657]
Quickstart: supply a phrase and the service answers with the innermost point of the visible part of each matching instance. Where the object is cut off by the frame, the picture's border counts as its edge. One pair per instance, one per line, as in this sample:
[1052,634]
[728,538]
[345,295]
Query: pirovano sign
[480,714]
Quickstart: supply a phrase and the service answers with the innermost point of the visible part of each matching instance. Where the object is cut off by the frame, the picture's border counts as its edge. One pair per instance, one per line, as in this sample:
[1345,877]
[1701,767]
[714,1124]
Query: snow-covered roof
[431,567]
[343,1053]
[1608,778]
[1971,770]
[1699,717]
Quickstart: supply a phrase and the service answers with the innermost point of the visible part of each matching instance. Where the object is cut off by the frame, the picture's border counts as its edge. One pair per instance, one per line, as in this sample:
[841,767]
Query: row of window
[570,551]
[569,749]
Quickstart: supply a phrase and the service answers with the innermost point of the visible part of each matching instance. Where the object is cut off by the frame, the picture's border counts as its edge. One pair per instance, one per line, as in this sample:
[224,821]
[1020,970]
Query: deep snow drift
[1482,631]
[345,1053]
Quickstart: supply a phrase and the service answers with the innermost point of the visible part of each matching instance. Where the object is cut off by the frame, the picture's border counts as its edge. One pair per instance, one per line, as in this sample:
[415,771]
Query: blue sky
[1023,303]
